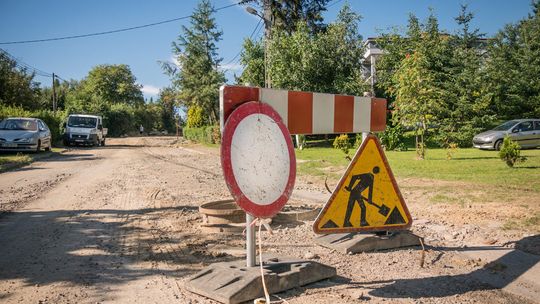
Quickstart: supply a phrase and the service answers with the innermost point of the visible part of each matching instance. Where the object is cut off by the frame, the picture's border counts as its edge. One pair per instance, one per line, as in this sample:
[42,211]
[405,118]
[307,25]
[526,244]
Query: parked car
[526,132]
[85,130]
[24,134]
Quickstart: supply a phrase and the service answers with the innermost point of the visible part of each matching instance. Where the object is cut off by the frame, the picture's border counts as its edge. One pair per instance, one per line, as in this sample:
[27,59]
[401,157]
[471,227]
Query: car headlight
[93,131]
[25,140]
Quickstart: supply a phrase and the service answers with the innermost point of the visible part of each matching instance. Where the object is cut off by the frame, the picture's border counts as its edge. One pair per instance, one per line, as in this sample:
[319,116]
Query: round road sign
[257,158]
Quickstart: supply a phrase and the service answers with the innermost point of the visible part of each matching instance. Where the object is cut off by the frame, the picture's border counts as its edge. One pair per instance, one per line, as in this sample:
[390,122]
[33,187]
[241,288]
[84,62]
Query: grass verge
[9,161]
[467,165]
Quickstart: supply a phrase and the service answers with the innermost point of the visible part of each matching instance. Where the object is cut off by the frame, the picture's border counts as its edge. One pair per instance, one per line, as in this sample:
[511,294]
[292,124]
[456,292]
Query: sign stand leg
[250,241]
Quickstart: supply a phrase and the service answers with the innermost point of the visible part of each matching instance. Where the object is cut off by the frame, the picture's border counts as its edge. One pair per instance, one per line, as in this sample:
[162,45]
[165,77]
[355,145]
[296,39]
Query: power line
[110,31]
[332,4]
[258,31]
[240,52]
[25,66]
[22,65]
[60,78]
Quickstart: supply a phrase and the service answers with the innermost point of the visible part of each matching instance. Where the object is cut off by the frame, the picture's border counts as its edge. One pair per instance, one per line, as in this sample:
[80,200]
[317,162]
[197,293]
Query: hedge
[206,135]
[53,120]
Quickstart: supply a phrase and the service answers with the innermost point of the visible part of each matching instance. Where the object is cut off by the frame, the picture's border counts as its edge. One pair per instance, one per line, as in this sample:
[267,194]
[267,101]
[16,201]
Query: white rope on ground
[266,294]
[266,300]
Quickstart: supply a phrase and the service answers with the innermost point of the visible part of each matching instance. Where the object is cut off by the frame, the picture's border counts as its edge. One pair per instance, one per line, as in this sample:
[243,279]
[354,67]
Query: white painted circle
[260,159]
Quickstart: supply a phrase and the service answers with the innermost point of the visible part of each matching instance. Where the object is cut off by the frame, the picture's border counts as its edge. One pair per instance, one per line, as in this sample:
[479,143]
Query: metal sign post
[250,241]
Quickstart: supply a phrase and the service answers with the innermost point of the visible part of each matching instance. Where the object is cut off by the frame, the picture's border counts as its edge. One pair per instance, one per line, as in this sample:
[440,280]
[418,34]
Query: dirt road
[119,224]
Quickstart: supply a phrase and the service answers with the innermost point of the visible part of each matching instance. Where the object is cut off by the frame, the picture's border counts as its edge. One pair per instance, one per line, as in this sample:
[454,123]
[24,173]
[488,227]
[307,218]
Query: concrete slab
[233,282]
[355,242]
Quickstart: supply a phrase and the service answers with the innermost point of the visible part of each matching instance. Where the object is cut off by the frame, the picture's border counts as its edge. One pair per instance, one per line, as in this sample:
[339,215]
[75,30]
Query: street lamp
[253,11]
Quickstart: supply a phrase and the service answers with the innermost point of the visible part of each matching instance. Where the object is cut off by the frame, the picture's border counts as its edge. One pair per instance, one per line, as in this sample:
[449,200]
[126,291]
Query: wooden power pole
[53,93]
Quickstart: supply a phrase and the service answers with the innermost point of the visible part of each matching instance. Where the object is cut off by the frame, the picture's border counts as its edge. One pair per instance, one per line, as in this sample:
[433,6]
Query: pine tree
[513,68]
[197,79]
[465,109]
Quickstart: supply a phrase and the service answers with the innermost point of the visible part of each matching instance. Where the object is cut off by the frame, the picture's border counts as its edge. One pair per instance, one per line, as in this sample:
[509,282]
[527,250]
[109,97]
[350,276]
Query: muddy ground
[120,224]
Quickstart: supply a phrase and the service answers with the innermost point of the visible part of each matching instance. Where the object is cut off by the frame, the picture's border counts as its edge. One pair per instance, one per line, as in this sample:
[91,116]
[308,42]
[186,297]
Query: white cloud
[231,67]
[150,90]
[174,60]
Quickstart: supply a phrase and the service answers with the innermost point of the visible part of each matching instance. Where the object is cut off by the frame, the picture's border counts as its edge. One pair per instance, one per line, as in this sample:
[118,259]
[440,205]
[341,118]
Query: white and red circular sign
[257,158]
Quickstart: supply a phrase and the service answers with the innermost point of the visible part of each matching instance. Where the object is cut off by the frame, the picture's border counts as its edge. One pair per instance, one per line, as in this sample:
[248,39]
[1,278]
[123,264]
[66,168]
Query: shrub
[451,149]
[195,117]
[53,120]
[510,152]
[119,120]
[392,138]
[206,135]
[342,142]
[358,140]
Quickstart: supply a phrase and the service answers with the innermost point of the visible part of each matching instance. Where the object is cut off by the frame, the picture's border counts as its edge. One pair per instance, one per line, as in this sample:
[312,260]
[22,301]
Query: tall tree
[514,68]
[252,58]
[166,103]
[328,61]
[416,81]
[17,85]
[113,83]
[197,79]
[465,109]
[285,14]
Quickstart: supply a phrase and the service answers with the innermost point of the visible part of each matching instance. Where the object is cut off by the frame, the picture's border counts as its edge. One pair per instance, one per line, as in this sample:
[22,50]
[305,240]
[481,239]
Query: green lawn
[15,160]
[469,165]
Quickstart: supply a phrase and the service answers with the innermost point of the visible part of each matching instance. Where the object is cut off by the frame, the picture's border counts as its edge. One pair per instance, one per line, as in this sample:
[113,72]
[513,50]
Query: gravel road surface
[120,224]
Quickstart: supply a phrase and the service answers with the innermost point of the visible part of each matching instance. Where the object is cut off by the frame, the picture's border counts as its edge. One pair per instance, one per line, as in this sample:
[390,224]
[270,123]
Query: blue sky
[142,49]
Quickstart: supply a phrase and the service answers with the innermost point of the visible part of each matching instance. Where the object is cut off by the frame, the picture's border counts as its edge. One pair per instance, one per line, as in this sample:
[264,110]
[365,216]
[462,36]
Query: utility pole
[53,93]
[268,21]
[266,17]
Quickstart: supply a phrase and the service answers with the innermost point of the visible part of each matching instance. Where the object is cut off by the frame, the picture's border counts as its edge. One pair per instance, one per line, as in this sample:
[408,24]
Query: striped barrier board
[311,113]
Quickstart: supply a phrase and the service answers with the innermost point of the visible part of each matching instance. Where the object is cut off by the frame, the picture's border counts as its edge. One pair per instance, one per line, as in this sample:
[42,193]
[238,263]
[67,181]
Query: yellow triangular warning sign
[367,197]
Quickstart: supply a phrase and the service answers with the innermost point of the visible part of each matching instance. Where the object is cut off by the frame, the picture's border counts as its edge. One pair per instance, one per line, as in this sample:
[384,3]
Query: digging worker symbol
[365,181]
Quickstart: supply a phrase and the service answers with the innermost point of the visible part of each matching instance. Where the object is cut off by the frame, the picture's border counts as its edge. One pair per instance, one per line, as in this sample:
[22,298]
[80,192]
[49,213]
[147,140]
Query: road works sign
[367,197]
[258,160]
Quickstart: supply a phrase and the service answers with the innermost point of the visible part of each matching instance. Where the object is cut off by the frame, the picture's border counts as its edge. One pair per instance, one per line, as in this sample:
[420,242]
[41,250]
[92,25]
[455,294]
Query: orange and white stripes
[311,113]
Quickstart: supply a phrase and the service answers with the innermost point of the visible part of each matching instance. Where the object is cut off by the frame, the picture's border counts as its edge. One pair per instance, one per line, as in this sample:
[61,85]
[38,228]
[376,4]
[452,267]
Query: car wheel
[48,148]
[38,148]
[498,144]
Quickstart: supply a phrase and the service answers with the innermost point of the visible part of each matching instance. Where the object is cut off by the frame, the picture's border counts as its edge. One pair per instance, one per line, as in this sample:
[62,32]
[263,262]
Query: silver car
[24,134]
[526,132]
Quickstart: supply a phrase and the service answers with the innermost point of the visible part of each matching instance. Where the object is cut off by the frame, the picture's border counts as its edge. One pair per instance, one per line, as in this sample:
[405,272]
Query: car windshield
[18,124]
[82,122]
[505,126]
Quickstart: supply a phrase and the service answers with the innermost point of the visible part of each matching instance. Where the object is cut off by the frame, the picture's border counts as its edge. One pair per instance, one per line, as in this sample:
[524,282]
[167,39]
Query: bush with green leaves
[206,134]
[392,138]
[53,120]
[342,142]
[510,152]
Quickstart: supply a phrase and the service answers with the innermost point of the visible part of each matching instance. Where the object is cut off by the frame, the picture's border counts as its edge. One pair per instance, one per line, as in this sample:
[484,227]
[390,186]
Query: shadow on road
[87,247]
[494,275]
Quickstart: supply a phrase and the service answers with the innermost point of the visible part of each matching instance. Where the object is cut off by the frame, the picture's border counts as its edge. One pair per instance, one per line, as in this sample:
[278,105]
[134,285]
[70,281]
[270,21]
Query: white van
[84,130]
